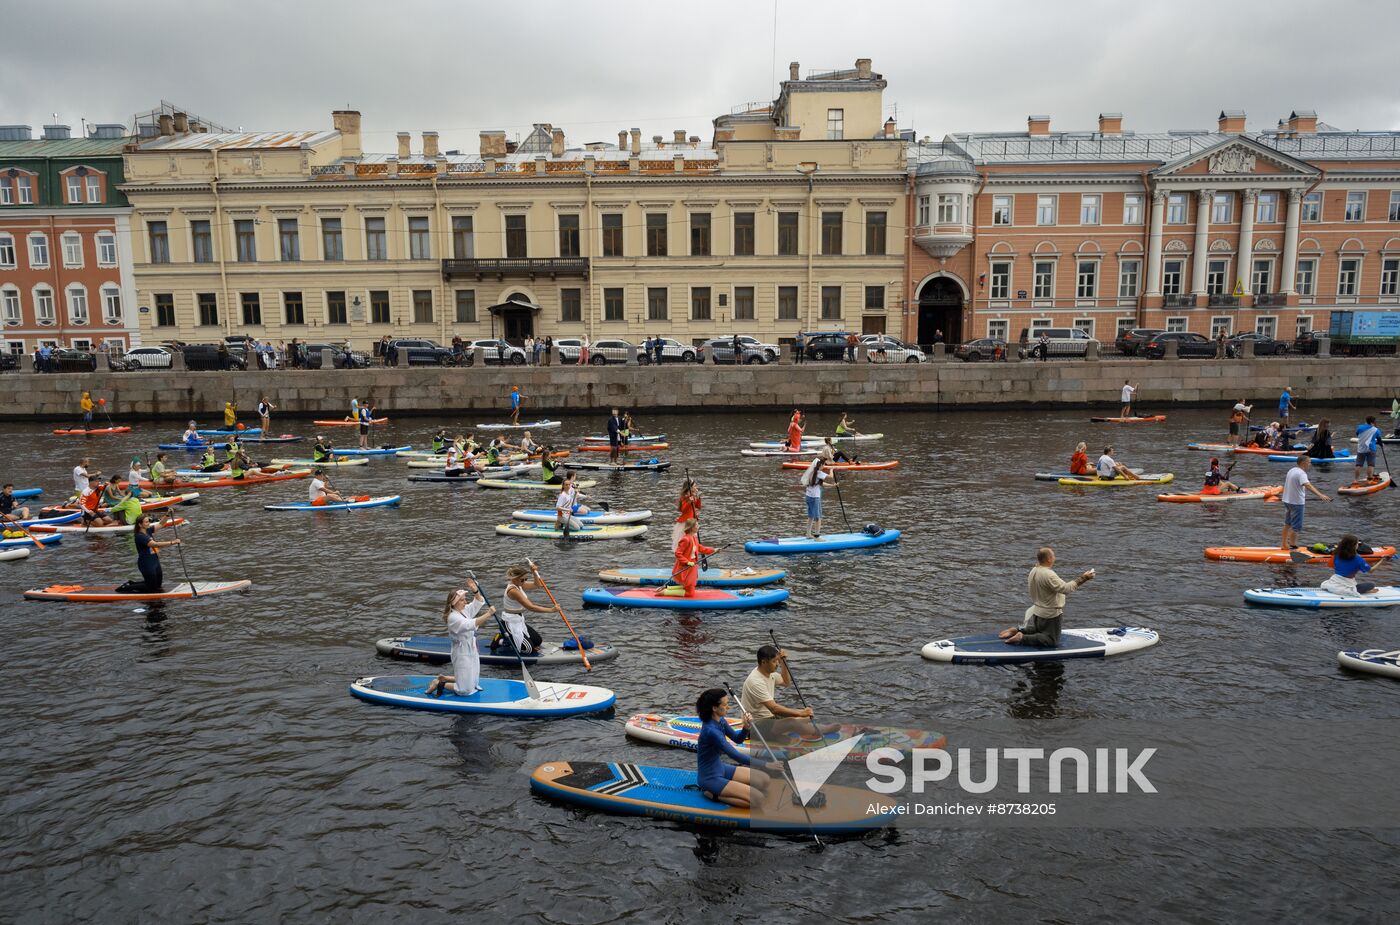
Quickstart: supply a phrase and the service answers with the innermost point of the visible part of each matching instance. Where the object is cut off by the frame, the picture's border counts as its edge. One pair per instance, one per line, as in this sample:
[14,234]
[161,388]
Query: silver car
[148,358]
[499,352]
[603,352]
[771,352]
[672,351]
[882,348]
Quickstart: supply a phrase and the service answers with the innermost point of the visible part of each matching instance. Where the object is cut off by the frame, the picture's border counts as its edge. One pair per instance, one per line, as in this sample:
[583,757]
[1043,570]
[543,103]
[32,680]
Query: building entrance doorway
[940,312]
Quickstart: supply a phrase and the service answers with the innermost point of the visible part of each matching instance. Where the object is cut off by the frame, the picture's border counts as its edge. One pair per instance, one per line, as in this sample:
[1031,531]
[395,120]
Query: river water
[205,762]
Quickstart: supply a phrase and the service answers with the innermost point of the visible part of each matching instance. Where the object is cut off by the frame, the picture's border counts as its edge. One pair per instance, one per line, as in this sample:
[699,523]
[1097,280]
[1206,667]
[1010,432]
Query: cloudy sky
[593,68]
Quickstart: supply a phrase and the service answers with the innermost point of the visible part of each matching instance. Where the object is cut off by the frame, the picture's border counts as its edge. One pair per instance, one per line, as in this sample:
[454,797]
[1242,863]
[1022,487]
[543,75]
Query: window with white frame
[1394,213]
[111,305]
[1089,206]
[75,188]
[1001,210]
[1123,325]
[1265,326]
[1129,276]
[38,250]
[1220,324]
[7,252]
[72,249]
[43,305]
[1176,325]
[1222,208]
[1040,324]
[1261,277]
[1176,209]
[1044,280]
[1001,280]
[1086,284]
[950,209]
[1305,282]
[1132,209]
[1356,206]
[1348,270]
[924,210]
[1217,277]
[77,304]
[1312,208]
[9,300]
[1171,277]
[1266,208]
[26,190]
[82,343]
[1045,210]
[7,192]
[835,124]
[1085,324]
[1302,325]
[998,328]
[1390,276]
[106,249]
[94,188]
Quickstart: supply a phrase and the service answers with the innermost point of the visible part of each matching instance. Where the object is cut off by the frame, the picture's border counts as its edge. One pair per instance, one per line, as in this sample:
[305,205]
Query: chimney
[622,140]
[792,71]
[15,132]
[1038,125]
[863,68]
[430,145]
[404,153]
[679,136]
[167,124]
[57,132]
[182,124]
[541,165]
[1231,122]
[891,130]
[694,141]
[1302,122]
[1110,123]
[636,141]
[493,144]
[556,142]
[656,141]
[347,123]
[108,130]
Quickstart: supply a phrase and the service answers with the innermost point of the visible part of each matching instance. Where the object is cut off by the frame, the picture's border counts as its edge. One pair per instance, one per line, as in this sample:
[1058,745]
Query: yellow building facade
[791,218]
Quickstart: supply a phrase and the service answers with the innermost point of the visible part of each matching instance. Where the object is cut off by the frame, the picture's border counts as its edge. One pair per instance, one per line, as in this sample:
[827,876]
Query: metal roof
[205,141]
[64,147]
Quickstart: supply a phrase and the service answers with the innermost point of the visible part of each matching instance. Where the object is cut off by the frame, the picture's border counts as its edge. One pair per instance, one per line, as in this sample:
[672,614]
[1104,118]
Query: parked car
[342,358]
[209,356]
[770,351]
[498,352]
[1306,342]
[1059,342]
[609,351]
[882,348]
[421,352]
[1131,340]
[672,351]
[1264,345]
[569,348]
[1188,344]
[149,358]
[826,346]
[721,350]
[9,360]
[983,348]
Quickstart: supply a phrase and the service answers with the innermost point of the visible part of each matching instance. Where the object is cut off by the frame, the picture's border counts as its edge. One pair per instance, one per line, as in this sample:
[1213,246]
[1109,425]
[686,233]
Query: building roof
[206,141]
[64,147]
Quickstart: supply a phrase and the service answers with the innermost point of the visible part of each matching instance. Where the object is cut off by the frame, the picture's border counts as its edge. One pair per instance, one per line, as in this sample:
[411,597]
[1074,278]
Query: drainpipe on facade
[967,326]
[1140,310]
[218,241]
[811,247]
[447,304]
[908,330]
[586,233]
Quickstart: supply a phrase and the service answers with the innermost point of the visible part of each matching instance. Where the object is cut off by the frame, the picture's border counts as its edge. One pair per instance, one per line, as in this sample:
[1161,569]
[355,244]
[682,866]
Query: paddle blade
[530,686]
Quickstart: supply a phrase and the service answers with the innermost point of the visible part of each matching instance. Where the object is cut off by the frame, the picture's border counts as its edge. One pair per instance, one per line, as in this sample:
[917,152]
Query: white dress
[466,658]
[513,619]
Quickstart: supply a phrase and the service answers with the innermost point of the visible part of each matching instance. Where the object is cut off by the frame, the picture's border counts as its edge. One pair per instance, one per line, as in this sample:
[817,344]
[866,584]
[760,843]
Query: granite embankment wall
[556,390]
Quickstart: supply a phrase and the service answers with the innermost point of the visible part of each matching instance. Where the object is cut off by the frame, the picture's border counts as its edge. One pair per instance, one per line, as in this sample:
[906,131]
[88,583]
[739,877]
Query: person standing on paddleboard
[741,784]
[686,570]
[1041,625]
[796,428]
[265,409]
[230,414]
[615,427]
[758,697]
[1239,421]
[812,481]
[1368,437]
[366,417]
[1285,405]
[1296,485]
[86,406]
[515,399]
[464,614]
[688,506]
[82,475]
[1129,390]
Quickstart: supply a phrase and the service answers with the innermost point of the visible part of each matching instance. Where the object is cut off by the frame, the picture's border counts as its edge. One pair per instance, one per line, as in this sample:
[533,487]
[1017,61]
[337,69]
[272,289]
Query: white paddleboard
[1372,661]
[1317,598]
[988,649]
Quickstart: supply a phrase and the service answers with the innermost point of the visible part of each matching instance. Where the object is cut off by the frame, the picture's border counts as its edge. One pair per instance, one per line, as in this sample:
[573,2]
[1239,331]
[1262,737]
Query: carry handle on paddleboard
[530,687]
[582,653]
[782,768]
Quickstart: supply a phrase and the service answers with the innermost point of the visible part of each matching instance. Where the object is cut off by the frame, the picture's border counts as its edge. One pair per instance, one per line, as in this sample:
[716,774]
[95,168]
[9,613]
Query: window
[1261,276]
[77,305]
[787,303]
[1220,324]
[165,310]
[874,300]
[875,232]
[1348,269]
[75,188]
[421,248]
[288,240]
[1038,325]
[160,242]
[379,306]
[1132,209]
[1124,324]
[700,303]
[924,210]
[293,310]
[612,235]
[1266,208]
[94,188]
[699,234]
[1222,208]
[1302,325]
[251,304]
[1390,276]
[332,241]
[656,303]
[201,241]
[568,236]
[1087,281]
[656,234]
[43,306]
[743,234]
[1001,280]
[787,234]
[1176,325]
[72,249]
[111,305]
[950,209]
[1312,207]
[245,240]
[376,245]
[38,251]
[1045,210]
[570,305]
[1171,277]
[1306,281]
[1356,206]
[1044,280]
[831,303]
[1176,209]
[831,232]
[1084,324]
[7,252]
[422,306]
[1001,210]
[998,328]
[1217,272]
[835,124]
[743,303]
[336,312]
[208,307]
[1129,274]
[463,247]
[466,306]
[12,311]
[26,190]
[7,192]
[613,305]
[1266,326]
[1394,214]
[1089,209]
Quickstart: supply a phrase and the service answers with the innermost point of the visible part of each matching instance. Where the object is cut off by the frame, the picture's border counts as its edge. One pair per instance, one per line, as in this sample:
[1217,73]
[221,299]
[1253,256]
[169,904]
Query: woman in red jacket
[686,571]
[794,434]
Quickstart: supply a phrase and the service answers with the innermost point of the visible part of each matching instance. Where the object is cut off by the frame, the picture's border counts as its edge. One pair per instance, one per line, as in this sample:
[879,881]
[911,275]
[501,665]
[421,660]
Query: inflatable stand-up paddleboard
[24,542]
[19,552]
[1381,483]
[711,577]
[94,432]
[547,515]
[827,542]
[533,425]
[1317,598]
[707,598]
[498,696]
[1273,555]
[1149,419]
[108,594]
[438,650]
[989,649]
[582,534]
[1371,661]
[383,501]
[374,451]
[684,732]
[1262,493]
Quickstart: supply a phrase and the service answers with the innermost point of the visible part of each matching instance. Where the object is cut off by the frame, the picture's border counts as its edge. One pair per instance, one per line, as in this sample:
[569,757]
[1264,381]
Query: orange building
[1186,230]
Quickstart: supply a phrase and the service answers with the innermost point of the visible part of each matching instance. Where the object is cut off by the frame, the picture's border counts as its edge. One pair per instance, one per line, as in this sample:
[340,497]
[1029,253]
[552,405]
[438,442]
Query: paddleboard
[710,577]
[9,554]
[1275,555]
[27,492]
[1249,494]
[531,483]
[80,530]
[466,478]
[1145,478]
[230,432]
[1367,488]
[673,795]
[1149,419]
[684,732]
[546,516]
[1300,427]
[80,432]
[1240,450]
[582,534]
[827,542]
[438,649]
[21,542]
[1056,476]
[818,440]
[382,501]
[345,422]
[372,451]
[229,483]
[708,598]
[989,649]
[54,520]
[107,594]
[657,466]
[805,451]
[357,461]
[284,438]
[640,438]
[204,445]
[1372,661]
[846,467]
[533,425]
[1317,598]
[626,448]
[498,696]
[1341,456]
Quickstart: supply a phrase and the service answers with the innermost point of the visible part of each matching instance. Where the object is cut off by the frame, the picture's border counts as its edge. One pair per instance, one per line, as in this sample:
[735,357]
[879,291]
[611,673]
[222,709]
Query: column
[1289,271]
[1202,247]
[1154,245]
[1246,258]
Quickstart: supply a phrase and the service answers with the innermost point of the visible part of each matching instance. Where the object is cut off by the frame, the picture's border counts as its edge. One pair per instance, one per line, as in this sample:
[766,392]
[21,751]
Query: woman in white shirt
[464,616]
[812,481]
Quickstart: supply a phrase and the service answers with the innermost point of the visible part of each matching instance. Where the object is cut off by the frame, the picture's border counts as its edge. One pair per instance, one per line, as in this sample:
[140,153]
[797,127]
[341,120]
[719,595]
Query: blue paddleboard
[230,433]
[497,696]
[827,542]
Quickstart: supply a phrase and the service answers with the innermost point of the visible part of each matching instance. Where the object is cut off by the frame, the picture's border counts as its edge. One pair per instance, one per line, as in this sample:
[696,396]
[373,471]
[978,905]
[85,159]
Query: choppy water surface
[205,761]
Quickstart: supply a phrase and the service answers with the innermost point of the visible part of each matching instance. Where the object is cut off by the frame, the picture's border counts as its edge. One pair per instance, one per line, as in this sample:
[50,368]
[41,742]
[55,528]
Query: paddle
[797,688]
[19,525]
[530,687]
[782,768]
[102,403]
[583,654]
[175,529]
[1381,443]
[842,501]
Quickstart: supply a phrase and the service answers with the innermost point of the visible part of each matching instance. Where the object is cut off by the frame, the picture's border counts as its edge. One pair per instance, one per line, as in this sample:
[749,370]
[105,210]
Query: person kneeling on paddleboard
[757,698]
[549,468]
[1079,462]
[685,573]
[523,638]
[741,784]
[147,559]
[464,615]
[322,451]
[320,492]
[832,454]
[1321,447]
[191,435]
[1346,564]
[567,505]
[90,501]
[1041,626]
[1216,480]
[1108,468]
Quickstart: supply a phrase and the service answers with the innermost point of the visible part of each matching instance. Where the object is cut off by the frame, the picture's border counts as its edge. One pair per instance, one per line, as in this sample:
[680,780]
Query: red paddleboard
[1274,554]
[846,467]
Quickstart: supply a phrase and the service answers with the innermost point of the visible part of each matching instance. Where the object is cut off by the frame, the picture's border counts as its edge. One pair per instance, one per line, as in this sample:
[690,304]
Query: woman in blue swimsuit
[727,783]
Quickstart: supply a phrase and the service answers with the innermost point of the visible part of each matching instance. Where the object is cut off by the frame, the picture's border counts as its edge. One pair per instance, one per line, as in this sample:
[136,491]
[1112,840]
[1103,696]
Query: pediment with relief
[1237,157]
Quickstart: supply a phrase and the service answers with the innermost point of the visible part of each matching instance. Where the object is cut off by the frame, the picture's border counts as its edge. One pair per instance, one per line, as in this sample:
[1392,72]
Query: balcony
[1269,298]
[942,241]
[1179,300]
[526,267]
[1222,300]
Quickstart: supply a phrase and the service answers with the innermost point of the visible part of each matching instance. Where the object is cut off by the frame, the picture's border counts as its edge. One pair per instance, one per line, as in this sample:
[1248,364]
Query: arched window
[72,249]
[77,304]
[10,306]
[111,304]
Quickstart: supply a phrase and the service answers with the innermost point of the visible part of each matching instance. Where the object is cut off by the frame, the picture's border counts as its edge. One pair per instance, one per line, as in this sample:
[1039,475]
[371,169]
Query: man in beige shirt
[1041,626]
[757,696]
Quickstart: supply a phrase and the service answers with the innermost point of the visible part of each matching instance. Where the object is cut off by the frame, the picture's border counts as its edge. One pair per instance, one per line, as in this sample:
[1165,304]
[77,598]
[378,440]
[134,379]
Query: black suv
[209,356]
[831,346]
[1133,340]
[1188,344]
[421,352]
[1306,342]
[1264,345]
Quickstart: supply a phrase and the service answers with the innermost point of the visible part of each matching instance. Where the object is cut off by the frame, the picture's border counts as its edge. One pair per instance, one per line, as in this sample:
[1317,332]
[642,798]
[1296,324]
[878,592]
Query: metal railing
[515,266]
